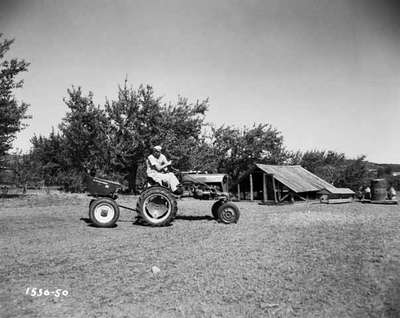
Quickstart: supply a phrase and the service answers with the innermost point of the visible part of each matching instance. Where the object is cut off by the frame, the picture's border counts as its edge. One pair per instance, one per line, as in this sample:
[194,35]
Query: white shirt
[155,162]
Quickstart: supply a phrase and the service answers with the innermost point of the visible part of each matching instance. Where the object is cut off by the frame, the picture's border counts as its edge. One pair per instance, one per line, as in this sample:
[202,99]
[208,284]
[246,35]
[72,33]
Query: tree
[12,112]
[84,129]
[237,150]
[313,159]
[138,121]
[117,138]
[328,165]
[134,119]
[294,157]
[48,158]
[202,157]
[355,174]
[384,171]
[181,131]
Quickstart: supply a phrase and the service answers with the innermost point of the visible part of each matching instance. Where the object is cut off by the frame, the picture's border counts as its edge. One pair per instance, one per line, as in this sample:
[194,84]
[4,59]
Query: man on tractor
[157,169]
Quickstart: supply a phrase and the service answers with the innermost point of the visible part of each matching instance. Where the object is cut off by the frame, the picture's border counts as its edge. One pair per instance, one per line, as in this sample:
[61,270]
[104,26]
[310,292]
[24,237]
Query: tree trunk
[132,178]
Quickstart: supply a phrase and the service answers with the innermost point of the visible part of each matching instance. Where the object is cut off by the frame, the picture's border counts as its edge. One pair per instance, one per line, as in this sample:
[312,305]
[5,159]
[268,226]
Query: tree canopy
[116,137]
[236,150]
[12,111]
[138,120]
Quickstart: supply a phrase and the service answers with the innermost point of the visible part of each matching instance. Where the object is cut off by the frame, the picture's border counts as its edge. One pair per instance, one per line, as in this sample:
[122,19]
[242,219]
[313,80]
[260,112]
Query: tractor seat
[151,182]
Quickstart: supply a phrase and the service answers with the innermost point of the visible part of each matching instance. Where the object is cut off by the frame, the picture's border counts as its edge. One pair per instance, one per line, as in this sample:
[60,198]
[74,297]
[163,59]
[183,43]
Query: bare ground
[303,260]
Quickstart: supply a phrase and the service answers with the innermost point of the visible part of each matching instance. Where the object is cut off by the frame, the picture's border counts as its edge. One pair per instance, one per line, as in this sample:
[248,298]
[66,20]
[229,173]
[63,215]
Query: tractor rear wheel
[90,205]
[157,206]
[228,213]
[215,207]
[103,212]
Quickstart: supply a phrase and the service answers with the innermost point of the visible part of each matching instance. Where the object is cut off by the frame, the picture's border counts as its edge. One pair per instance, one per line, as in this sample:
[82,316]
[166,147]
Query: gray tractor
[156,205]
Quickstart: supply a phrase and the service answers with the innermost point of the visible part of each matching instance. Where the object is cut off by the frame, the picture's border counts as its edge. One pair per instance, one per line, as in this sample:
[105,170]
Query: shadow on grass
[124,221]
[140,222]
[195,217]
[86,220]
[90,224]
[10,196]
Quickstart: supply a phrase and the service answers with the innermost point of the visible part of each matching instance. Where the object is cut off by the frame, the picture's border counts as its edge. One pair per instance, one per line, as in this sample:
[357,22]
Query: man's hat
[158,148]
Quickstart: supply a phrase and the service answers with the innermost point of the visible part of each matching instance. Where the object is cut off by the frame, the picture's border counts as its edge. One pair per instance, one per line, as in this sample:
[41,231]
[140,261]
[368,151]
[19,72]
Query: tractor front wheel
[228,213]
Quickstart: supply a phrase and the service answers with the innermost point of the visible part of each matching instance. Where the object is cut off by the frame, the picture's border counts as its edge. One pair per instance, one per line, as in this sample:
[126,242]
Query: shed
[280,183]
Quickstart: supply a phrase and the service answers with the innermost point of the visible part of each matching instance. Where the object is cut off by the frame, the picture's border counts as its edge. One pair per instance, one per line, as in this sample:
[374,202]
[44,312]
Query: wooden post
[273,186]
[265,195]
[238,191]
[279,193]
[251,187]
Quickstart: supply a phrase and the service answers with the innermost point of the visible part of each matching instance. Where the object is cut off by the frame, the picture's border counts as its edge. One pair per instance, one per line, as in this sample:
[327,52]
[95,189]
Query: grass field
[303,260]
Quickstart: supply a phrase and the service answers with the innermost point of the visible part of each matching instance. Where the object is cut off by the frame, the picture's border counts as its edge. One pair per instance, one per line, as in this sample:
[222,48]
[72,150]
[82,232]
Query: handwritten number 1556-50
[37,292]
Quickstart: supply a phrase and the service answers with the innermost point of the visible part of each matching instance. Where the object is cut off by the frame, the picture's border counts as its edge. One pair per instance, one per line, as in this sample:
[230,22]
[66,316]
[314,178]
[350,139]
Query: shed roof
[296,178]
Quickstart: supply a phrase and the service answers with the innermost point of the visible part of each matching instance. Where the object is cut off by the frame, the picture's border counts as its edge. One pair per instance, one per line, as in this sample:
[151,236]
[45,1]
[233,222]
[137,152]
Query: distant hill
[384,169]
[379,169]
[394,166]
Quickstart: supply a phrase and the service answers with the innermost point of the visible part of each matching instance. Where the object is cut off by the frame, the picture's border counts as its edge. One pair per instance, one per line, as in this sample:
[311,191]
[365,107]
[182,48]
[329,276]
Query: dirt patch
[288,261]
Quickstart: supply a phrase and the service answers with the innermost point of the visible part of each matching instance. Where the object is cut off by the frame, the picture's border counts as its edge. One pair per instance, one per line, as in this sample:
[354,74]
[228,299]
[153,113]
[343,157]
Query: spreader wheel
[157,206]
[103,212]
[228,213]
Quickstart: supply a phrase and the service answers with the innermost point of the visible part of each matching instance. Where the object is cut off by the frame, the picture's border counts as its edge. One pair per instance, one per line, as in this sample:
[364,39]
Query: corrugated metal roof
[296,178]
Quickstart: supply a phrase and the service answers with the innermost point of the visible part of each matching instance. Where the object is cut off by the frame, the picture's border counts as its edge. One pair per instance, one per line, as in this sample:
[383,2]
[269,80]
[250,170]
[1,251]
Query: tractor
[156,205]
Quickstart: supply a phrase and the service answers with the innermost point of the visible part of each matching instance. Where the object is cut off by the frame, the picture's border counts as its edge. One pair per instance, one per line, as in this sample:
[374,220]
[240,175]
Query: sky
[326,73]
